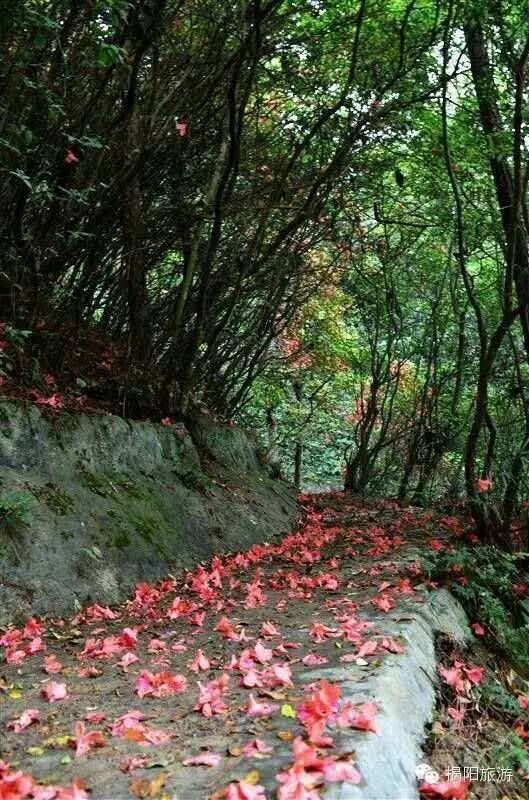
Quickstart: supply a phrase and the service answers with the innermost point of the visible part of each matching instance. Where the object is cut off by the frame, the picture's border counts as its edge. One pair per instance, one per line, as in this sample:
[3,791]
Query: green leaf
[22,177]
[108,55]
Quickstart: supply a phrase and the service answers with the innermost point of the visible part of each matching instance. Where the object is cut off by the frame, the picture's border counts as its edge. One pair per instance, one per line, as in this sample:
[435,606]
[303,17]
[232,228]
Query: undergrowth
[15,506]
[492,588]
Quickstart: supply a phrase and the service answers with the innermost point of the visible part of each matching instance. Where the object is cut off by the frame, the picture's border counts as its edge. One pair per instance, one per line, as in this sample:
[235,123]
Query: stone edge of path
[404,688]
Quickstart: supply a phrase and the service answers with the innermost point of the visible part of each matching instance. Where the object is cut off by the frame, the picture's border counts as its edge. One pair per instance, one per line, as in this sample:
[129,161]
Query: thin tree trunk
[298,448]
[508,189]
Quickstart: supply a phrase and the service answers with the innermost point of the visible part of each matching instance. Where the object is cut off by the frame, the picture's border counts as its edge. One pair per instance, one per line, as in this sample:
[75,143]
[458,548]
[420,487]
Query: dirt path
[262,667]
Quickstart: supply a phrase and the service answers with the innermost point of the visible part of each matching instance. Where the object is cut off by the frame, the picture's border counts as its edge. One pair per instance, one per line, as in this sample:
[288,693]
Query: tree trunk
[515,232]
[133,259]
[298,449]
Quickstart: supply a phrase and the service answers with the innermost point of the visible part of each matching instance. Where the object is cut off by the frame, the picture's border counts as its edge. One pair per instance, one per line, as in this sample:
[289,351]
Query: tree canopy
[309,216]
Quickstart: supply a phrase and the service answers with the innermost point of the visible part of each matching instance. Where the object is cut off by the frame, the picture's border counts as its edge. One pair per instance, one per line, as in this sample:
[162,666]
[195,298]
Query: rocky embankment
[91,505]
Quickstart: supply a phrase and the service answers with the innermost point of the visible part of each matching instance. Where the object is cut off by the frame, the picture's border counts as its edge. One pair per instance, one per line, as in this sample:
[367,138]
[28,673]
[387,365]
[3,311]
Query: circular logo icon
[426,773]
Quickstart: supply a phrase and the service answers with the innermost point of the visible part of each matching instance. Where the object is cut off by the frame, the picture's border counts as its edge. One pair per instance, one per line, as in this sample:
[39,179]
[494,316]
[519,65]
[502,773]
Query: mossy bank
[91,505]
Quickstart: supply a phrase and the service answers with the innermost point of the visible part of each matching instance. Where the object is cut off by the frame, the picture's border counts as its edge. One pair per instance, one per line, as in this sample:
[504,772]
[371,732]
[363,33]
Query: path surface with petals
[233,682]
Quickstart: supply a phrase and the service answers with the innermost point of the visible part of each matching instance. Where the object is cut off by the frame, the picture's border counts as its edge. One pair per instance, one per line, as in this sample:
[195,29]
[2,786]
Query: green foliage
[321,212]
[484,579]
[195,480]
[15,506]
[109,55]
[413,305]
[511,754]
[93,553]
[493,695]
[318,355]
[56,497]
[130,144]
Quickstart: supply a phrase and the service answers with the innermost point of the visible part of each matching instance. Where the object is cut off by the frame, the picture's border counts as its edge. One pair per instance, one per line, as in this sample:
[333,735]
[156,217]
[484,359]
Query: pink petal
[205,759]
[54,691]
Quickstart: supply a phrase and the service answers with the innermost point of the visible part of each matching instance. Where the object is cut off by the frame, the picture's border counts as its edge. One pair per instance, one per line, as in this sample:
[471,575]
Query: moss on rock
[122,502]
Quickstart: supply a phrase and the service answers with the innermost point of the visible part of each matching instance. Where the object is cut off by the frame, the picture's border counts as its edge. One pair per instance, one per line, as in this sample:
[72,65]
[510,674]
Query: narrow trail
[269,673]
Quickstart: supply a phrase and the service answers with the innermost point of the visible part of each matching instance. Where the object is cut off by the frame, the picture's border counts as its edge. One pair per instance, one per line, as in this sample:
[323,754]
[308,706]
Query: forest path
[302,668]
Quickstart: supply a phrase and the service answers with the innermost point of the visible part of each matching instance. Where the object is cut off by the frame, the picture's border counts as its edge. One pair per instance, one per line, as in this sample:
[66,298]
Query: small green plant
[496,698]
[55,497]
[93,552]
[511,754]
[196,481]
[15,506]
